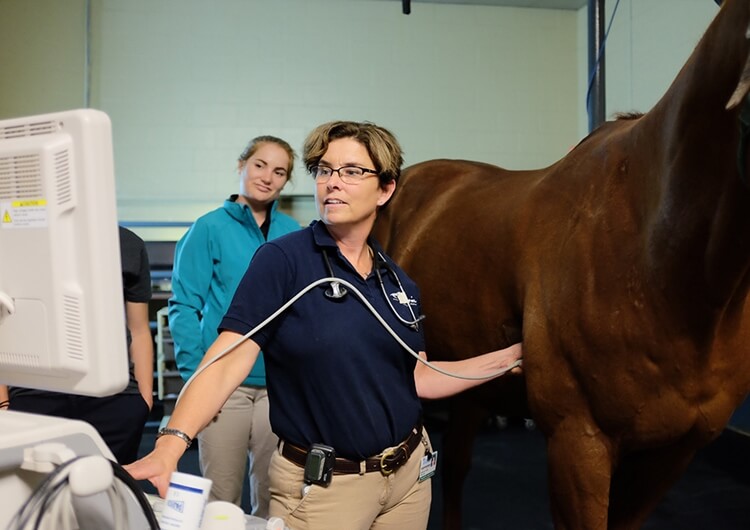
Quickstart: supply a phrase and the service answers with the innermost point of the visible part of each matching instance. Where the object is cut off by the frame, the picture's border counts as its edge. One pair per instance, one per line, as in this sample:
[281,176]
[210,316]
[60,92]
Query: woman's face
[264,174]
[340,203]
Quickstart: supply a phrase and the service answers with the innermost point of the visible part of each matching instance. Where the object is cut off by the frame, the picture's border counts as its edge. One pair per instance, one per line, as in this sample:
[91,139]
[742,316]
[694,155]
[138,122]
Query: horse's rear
[613,363]
[451,226]
[481,241]
[627,266]
[494,252]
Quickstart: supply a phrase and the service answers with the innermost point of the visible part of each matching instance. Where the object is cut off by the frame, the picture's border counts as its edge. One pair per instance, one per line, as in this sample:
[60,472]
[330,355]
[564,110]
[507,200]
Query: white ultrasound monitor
[62,317]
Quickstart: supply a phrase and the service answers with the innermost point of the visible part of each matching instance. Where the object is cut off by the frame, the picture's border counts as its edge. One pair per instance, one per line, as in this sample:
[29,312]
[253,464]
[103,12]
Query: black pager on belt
[319,464]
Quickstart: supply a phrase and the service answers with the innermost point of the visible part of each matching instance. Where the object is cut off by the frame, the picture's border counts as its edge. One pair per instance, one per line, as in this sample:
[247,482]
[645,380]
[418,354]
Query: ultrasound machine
[62,321]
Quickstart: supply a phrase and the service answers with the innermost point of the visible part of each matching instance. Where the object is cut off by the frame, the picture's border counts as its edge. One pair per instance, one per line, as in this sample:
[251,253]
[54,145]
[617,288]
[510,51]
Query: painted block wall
[186,92]
[42,56]
[647,44]
[188,82]
[473,82]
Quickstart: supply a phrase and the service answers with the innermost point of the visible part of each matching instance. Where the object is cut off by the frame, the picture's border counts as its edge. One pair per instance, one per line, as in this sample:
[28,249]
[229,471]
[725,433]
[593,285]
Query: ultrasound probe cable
[369,306]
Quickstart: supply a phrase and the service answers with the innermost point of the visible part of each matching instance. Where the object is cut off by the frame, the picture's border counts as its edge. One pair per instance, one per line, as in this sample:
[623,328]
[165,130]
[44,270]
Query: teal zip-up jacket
[210,260]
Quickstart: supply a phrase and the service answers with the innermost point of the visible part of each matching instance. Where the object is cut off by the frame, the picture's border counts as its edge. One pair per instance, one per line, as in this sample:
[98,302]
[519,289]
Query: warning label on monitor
[23,213]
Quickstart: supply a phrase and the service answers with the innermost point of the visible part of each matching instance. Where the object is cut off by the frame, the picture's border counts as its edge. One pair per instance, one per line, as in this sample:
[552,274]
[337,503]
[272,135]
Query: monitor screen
[62,318]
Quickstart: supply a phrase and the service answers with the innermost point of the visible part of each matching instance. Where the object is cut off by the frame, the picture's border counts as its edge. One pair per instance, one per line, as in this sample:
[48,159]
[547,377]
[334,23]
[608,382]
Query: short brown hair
[255,144]
[380,143]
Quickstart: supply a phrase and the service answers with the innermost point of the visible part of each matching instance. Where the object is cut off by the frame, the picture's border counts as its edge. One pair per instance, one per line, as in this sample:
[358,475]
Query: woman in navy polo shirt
[344,393]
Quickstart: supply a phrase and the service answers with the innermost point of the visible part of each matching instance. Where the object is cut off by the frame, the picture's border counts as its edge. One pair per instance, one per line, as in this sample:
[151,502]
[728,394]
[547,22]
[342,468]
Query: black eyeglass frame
[348,179]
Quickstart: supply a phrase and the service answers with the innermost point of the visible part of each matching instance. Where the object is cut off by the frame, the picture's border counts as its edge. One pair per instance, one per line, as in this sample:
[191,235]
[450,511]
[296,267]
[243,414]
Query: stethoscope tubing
[336,291]
[414,322]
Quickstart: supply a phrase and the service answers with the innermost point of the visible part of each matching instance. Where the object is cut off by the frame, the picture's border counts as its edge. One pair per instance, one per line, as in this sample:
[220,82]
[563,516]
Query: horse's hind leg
[466,415]
[641,480]
[579,461]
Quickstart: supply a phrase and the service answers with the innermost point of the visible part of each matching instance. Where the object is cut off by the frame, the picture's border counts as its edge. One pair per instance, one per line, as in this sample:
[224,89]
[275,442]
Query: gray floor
[506,488]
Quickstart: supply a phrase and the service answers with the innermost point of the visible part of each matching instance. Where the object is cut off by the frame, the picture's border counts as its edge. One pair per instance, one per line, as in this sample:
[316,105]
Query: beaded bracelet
[4,404]
[174,432]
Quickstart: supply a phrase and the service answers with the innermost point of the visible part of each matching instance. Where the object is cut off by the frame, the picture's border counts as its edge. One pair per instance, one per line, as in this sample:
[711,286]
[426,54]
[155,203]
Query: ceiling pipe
[596,96]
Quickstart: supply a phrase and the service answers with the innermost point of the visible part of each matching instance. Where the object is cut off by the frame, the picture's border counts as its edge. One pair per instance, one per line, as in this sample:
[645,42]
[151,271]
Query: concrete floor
[507,486]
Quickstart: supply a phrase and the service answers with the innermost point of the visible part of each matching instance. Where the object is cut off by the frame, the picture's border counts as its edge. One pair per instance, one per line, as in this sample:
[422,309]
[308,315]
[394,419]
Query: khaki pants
[240,431]
[355,502]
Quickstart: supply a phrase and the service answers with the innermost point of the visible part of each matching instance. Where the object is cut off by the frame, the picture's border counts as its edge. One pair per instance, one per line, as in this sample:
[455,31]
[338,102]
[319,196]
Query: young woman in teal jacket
[210,260]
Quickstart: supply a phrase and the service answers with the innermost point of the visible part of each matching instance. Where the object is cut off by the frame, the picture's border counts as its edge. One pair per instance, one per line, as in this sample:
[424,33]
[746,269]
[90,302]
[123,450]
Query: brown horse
[627,266]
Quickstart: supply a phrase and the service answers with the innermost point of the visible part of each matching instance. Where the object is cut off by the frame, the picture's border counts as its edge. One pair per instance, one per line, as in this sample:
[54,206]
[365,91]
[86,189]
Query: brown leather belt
[386,462]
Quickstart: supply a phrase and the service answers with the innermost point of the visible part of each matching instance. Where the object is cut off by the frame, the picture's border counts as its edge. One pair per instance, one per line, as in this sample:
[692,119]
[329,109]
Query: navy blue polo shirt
[334,374]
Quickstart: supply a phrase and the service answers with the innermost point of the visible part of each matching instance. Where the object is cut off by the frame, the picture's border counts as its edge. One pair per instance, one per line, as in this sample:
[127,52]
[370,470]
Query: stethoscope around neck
[336,291]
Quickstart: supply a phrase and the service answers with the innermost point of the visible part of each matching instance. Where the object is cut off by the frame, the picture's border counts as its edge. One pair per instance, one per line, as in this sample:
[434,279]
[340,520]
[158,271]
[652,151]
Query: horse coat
[625,264]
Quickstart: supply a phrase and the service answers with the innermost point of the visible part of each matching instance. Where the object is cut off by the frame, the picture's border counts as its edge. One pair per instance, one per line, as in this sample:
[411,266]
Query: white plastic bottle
[185,503]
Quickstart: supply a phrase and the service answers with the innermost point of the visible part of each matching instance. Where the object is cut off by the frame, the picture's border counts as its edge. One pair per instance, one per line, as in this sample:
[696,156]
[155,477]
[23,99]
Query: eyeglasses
[347,174]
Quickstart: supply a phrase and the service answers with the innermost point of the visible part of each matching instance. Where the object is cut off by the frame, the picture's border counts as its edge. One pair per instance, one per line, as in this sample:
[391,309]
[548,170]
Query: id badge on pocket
[428,466]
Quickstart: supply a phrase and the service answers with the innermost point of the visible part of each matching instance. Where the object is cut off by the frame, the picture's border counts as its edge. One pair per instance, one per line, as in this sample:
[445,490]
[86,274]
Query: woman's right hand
[158,465]
[199,401]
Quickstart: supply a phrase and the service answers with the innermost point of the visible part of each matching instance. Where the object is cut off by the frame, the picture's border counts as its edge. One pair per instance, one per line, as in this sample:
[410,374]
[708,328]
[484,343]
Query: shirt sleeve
[138,288]
[191,279]
[136,272]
